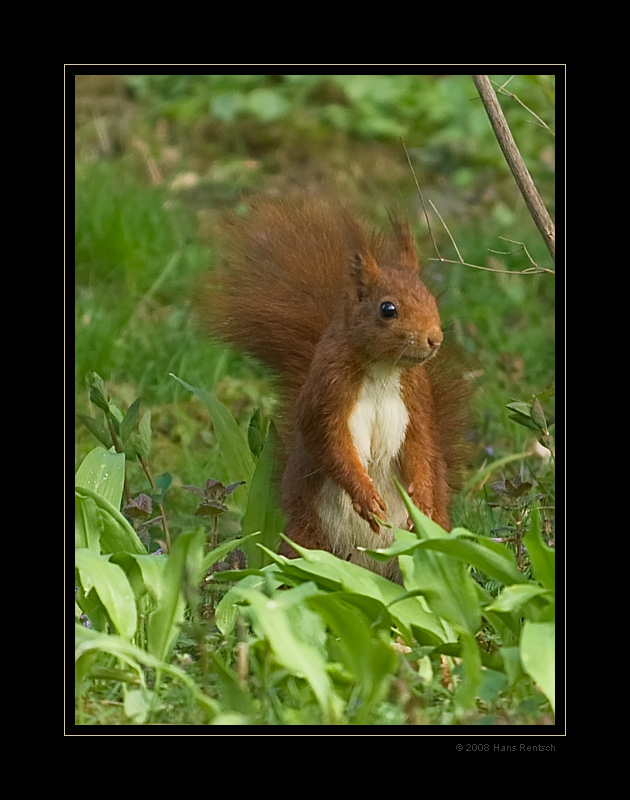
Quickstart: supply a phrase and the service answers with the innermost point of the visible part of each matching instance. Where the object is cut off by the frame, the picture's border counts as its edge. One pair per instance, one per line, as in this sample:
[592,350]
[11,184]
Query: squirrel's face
[395,316]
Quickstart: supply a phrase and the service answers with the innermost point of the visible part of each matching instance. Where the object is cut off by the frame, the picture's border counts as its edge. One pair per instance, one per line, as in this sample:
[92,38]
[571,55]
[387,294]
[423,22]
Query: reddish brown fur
[301,291]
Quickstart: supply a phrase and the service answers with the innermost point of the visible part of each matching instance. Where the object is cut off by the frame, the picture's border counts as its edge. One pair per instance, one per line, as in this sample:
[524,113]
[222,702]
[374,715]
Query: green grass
[140,249]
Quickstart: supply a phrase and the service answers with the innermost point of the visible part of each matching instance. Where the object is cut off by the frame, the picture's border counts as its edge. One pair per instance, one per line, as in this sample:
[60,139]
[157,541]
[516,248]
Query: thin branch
[501,89]
[447,230]
[527,271]
[424,208]
[528,189]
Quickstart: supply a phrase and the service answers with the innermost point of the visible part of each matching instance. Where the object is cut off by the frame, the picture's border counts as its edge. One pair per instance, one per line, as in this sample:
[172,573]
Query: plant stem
[147,470]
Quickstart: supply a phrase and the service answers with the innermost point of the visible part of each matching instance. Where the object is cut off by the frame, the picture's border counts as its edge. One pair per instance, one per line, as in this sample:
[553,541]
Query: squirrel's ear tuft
[363,266]
[405,245]
[364,271]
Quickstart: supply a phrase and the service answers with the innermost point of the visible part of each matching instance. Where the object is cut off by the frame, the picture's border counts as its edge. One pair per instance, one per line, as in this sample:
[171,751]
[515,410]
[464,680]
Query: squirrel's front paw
[370,503]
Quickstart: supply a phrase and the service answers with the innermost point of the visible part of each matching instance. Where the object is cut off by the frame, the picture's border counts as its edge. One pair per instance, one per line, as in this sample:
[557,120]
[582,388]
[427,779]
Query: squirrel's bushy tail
[284,270]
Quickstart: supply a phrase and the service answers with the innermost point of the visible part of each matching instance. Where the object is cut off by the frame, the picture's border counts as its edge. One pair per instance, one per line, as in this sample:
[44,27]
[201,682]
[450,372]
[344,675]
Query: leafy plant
[381,654]
[325,623]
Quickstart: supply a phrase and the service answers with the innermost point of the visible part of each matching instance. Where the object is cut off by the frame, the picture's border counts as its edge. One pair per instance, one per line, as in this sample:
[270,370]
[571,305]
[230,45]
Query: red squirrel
[341,316]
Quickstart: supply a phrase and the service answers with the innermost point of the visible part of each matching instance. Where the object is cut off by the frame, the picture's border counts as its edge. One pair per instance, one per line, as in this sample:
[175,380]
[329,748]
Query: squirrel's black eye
[388,310]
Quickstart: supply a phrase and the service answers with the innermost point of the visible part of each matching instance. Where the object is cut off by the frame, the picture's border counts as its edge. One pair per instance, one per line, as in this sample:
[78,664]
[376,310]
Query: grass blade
[235,453]
[182,569]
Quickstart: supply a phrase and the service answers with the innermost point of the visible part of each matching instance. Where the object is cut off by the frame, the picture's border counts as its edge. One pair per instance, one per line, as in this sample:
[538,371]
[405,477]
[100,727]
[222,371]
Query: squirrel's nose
[434,340]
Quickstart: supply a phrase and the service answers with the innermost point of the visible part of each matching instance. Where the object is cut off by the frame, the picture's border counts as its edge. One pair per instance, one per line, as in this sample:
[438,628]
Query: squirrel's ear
[406,247]
[364,271]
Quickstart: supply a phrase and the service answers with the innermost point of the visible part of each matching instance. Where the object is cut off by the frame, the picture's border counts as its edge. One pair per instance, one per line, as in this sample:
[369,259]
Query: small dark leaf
[138,507]
[210,509]
[499,487]
[520,488]
[214,494]
[237,559]
[194,489]
[232,486]
[214,489]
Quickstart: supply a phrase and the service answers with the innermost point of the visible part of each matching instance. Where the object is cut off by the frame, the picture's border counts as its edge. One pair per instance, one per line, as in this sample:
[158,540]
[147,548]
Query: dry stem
[528,189]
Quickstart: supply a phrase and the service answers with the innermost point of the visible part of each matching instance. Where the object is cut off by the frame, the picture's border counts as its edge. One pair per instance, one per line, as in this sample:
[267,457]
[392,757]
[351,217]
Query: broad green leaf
[114,533]
[538,654]
[228,609]
[233,692]
[183,570]
[408,613]
[263,507]
[235,453]
[112,587]
[145,573]
[443,580]
[301,658]
[492,558]
[542,557]
[137,704]
[471,667]
[512,665]
[87,524]
[369,658]
[513,598]
[103,471]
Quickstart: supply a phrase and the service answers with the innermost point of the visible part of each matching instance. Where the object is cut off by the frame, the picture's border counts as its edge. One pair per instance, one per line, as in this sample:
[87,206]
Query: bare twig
[527,271]
[501,90]
[454,243]
[513,157]
[424,208]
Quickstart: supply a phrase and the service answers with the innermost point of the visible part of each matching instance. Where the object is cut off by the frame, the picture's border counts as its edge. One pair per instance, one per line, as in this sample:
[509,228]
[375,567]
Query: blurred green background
[160,159]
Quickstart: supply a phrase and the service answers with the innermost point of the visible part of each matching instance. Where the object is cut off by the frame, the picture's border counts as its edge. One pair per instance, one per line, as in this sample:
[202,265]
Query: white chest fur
[379,420]
[378,425]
